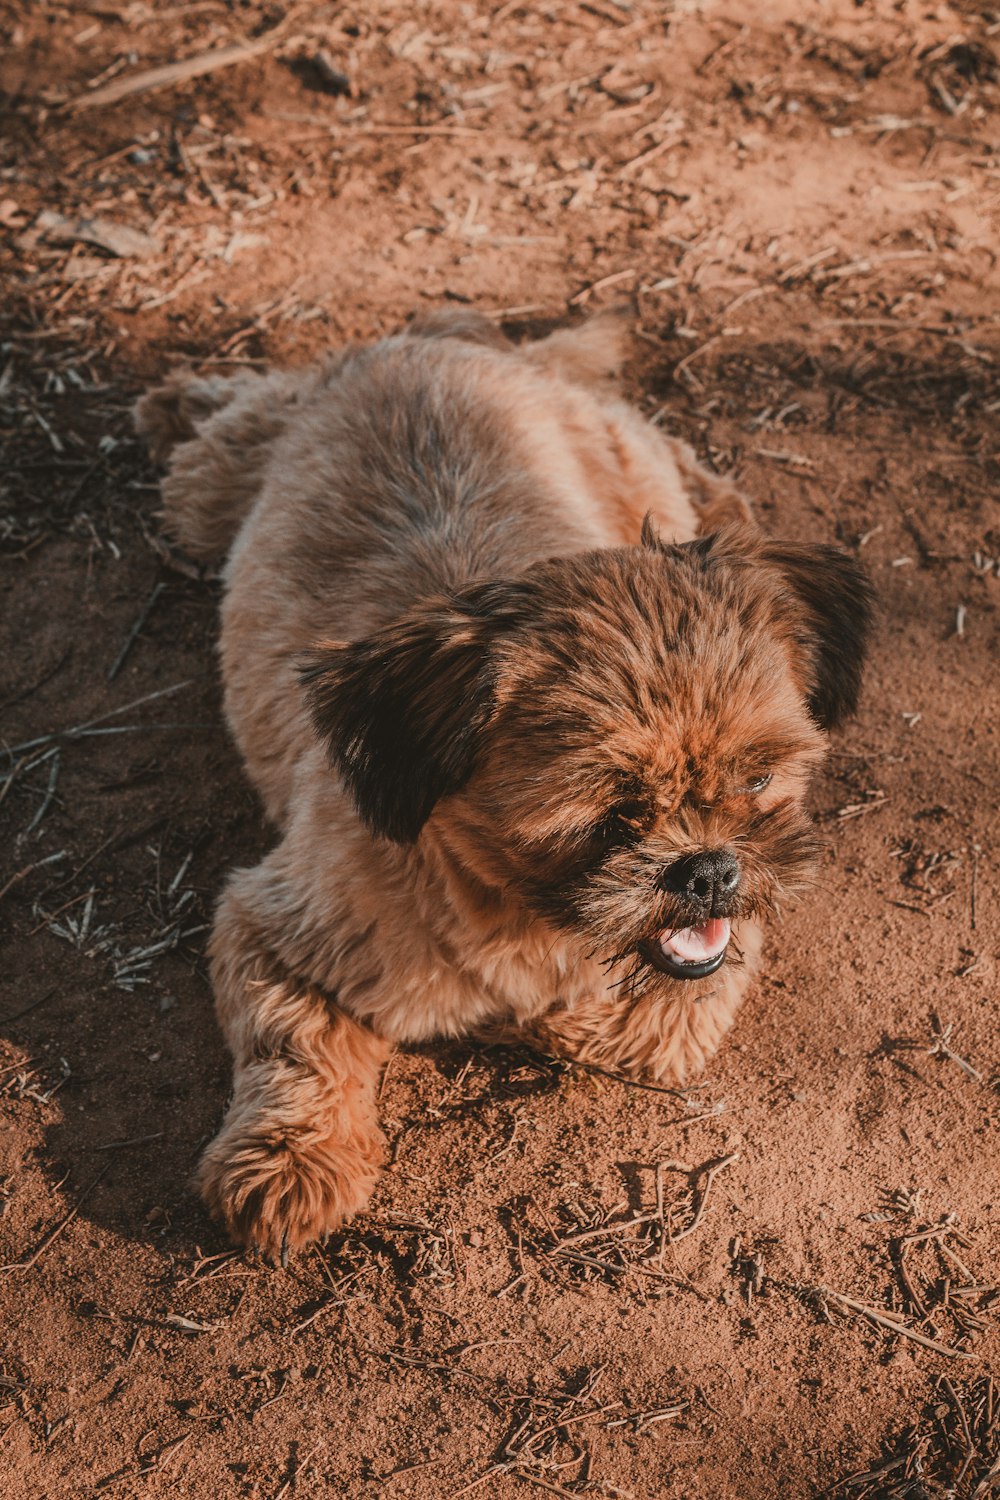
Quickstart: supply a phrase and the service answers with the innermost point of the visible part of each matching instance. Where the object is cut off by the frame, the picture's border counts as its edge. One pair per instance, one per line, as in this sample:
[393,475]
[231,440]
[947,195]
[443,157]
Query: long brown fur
[486,708]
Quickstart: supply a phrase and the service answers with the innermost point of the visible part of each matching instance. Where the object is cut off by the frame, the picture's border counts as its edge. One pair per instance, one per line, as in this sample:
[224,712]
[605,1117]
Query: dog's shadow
[113,1073]
[478,1072]
[432,1088]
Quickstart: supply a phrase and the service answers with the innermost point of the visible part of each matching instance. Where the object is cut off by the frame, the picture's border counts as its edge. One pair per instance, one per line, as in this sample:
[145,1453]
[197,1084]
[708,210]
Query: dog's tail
[590,353]
[212,433]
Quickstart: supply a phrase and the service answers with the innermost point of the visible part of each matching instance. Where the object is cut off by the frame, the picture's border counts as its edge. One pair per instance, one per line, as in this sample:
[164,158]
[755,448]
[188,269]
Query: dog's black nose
[707,880]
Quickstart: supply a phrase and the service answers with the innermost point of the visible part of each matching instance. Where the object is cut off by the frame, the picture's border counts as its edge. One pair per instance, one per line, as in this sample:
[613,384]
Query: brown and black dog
[533,705]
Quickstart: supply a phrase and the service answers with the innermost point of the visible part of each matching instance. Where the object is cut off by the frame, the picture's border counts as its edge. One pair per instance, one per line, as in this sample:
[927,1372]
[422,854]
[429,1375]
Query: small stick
[186,1325]
[883,1320]
[41,681]
[915,1298]
[860,809]
[543,1484]
[132,636]
[23,1063]
[468,1488]
[520,311]
[633,1083]
[605,1267]
[941,1047]
[711,1172]
[985,1485]
[22,767]
[137,1140]
[597,286]
[635,162]
[510,1285]
[780,456]
[415,129]
[655,1414]
[53,1235]
[50,916]
[158,1459]
[970,1451]
[559,1424]
[920,1236]
[946,1249]
[330,1302]
[682,367]
[35,1005]
[659,1211]
[178,72]
[426,1463]
[571,1240]
[972,891]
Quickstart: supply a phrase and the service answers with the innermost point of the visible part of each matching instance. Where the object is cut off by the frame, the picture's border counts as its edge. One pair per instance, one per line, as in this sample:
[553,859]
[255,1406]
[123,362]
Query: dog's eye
[631,813]
[758,784]
[623,822]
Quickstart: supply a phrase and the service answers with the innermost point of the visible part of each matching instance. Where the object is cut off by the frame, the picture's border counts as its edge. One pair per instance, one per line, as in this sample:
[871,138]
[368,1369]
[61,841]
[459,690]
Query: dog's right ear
[404,710]
[834,603]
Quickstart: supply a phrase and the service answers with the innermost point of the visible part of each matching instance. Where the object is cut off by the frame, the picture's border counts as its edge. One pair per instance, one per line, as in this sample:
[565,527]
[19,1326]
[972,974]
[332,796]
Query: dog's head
[619,741]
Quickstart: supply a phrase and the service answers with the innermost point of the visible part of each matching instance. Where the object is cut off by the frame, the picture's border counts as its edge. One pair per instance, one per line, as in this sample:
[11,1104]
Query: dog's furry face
[618,741]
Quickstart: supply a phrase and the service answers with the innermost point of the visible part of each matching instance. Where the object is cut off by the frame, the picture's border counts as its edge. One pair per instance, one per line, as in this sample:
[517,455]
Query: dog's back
[215,431]
[345,492]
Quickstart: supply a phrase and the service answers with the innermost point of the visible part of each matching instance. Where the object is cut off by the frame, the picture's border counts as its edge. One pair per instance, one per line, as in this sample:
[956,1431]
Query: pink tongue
[696,945]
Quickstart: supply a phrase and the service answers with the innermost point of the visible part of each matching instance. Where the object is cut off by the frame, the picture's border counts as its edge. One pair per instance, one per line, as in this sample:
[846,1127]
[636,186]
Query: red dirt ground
[801,201]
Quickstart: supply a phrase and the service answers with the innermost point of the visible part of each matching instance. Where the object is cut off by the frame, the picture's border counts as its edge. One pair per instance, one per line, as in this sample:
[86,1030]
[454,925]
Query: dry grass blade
[63,1224]
[133,634]
[78,729]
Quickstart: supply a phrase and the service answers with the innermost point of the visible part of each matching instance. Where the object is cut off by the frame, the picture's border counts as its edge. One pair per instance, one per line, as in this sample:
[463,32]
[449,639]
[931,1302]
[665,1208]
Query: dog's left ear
[823,599]
[403,711]
[832,621]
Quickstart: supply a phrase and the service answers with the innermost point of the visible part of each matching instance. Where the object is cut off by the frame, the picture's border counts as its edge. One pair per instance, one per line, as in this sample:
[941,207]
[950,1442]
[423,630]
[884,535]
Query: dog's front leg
[300,1148]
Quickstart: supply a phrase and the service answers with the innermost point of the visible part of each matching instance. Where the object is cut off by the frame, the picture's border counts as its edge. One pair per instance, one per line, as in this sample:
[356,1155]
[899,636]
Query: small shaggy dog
[533,706]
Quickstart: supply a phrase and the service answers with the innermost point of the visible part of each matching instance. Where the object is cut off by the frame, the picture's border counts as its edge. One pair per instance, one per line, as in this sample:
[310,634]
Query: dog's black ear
[403,711]
[834,621]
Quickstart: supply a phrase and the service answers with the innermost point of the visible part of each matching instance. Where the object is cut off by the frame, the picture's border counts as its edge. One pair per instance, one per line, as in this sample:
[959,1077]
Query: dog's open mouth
[690,952]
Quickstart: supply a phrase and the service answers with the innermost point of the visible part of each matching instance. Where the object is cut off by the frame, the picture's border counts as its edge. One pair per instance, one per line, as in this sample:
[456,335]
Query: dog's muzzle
[690,952]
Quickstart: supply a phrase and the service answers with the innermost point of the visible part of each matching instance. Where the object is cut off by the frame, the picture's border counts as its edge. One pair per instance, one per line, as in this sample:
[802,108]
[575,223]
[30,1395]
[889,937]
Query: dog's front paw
[278,1193]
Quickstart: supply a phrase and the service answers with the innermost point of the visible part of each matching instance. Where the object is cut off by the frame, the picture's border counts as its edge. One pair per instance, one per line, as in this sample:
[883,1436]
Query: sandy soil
[801,201]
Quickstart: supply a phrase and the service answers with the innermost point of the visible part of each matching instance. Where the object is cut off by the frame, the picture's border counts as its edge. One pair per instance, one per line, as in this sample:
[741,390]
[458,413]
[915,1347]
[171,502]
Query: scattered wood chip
[118,239]
[873,801]
[778,456]
[83,267]
[188,1325]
